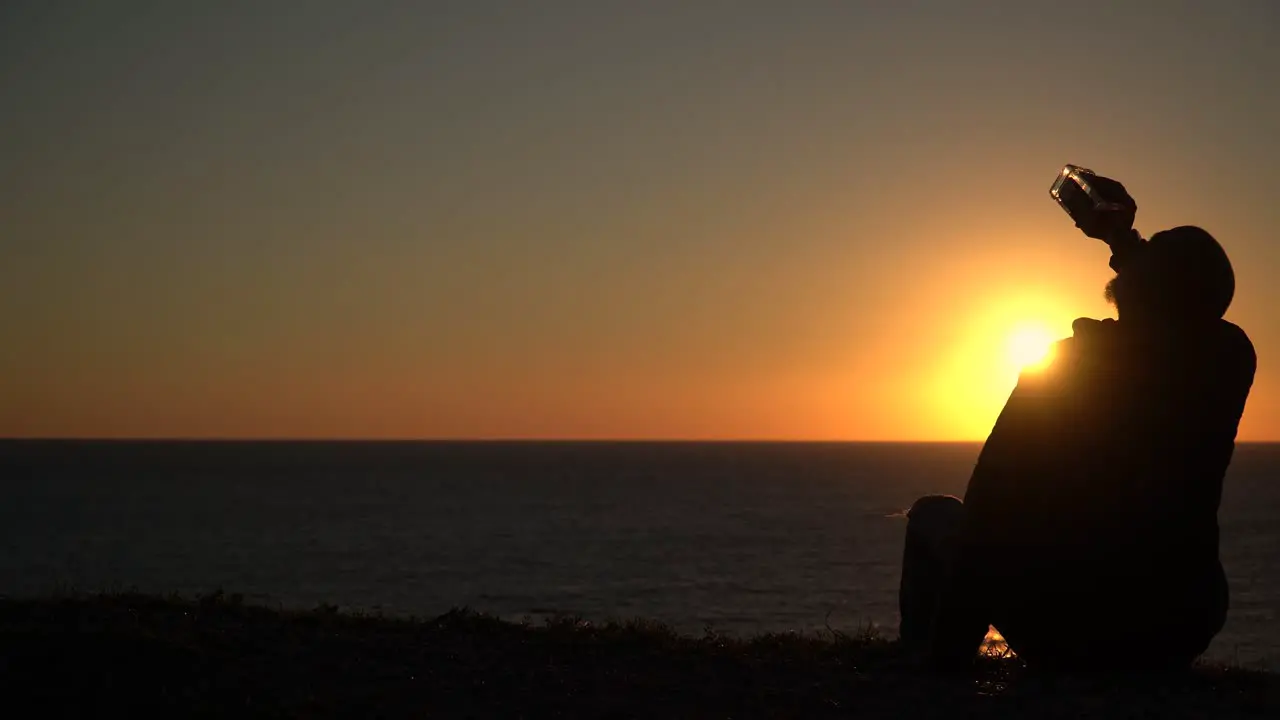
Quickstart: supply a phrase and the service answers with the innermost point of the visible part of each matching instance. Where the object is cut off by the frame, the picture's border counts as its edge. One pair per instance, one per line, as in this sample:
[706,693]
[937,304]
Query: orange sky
[612,220]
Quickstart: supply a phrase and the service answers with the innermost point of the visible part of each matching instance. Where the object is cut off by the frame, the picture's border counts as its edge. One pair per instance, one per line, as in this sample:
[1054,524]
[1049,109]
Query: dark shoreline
[217,657]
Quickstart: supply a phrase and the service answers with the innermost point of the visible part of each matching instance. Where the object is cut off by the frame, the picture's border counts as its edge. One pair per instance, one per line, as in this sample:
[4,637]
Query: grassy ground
[217,657]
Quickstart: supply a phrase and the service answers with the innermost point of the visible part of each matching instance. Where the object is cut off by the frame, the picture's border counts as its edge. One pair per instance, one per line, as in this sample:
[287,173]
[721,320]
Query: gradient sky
[596,219]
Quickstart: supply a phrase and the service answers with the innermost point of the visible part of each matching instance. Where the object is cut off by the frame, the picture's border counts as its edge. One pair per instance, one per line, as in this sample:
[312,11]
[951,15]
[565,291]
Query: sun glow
[1030,347]
[993,340]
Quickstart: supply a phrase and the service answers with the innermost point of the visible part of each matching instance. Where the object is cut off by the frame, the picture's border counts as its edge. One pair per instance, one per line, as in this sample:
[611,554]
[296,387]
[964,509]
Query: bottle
[1100,206]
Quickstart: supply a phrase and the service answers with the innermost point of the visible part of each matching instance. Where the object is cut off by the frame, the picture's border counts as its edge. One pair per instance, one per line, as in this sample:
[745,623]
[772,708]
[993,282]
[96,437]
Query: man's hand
[1116,223]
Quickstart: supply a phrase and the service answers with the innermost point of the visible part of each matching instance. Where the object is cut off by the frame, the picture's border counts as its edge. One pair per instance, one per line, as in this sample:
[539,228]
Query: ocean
[738,537]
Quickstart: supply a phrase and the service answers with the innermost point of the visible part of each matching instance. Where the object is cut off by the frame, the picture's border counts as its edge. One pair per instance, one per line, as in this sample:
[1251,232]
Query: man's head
[1180,275]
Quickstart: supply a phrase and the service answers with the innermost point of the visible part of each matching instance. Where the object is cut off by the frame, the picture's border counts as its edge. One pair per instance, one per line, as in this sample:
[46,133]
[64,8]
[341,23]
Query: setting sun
[1030,346]
[999,332]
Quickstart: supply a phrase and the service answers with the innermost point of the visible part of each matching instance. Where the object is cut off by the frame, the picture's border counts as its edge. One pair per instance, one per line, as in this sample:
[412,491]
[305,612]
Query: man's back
[1093,506]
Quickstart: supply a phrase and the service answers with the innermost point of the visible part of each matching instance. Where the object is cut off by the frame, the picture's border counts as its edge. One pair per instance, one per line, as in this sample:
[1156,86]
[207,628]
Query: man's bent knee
[935,520]
[933,524]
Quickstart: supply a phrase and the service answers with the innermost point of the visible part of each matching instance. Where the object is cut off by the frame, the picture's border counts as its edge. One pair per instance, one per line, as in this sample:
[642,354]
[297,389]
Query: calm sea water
[742,537]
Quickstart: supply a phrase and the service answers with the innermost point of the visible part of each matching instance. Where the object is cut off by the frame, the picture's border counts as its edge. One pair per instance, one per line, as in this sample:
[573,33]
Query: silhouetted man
[1088,534]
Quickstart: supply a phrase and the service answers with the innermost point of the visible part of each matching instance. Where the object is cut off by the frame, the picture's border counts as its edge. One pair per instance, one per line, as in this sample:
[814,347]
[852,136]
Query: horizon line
[509,440]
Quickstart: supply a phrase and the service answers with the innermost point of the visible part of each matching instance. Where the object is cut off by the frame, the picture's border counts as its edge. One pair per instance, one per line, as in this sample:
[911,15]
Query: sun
[990,343]
[1030,347]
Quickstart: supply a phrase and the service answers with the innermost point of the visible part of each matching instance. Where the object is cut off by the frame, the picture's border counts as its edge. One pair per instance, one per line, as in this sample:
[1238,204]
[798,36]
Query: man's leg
[933,527]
